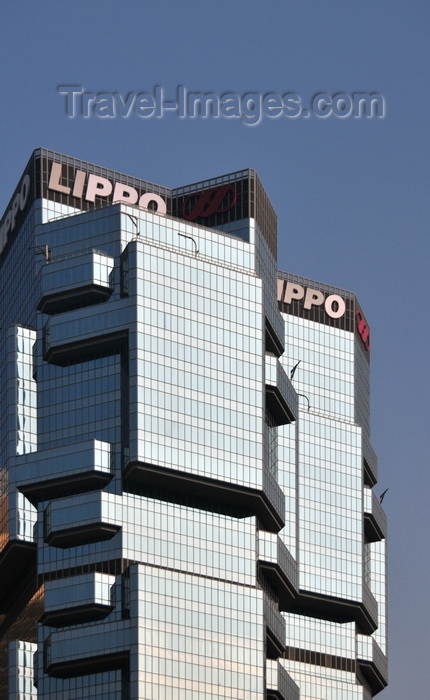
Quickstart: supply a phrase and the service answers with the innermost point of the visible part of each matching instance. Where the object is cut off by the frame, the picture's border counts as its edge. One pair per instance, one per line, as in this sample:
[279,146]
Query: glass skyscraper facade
[336,626]
[187,505]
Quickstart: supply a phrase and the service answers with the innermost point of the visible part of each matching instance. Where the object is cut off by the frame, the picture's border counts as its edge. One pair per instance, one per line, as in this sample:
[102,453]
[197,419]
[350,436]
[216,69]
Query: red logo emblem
[213,201]
[363,329]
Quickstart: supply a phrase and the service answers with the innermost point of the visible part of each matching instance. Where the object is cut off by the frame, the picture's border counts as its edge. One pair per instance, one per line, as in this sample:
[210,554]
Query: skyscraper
[336,626]
[186,512]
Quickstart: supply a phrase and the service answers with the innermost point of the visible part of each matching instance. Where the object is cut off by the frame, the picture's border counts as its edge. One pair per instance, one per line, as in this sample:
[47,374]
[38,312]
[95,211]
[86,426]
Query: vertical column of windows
[21,670]
[271,443]
[377,583]
[24,406]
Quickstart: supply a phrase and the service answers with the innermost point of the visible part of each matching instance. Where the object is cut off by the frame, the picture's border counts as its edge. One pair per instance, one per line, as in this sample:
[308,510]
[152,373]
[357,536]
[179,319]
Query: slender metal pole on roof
[184,235]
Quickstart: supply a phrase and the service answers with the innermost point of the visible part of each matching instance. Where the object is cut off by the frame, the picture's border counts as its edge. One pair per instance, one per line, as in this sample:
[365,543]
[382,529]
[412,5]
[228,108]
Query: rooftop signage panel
[311,300]
[217,203]
[222,201]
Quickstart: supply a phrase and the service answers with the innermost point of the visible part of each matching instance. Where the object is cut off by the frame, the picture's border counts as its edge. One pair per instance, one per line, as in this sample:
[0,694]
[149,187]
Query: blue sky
[351,194]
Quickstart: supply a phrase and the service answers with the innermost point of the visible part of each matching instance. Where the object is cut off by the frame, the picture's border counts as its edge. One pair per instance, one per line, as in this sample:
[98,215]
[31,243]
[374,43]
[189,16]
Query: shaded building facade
[336,528]
[182,516]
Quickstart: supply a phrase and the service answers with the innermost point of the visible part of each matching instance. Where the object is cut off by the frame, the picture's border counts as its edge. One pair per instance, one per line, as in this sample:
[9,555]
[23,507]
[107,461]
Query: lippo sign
[18,204]
[89,186]
[316,305]
[334,305]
